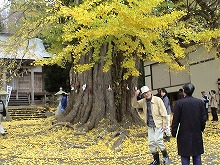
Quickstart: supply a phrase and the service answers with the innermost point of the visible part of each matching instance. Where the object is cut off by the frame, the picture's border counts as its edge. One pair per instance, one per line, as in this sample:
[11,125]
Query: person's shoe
[167,139]
[156,159]
[165,157]
[154,163]
[3,134]
[165,160]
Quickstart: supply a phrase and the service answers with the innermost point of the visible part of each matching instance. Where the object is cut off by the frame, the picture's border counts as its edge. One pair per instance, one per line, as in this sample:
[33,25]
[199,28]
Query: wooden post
[4,79]
[32,87]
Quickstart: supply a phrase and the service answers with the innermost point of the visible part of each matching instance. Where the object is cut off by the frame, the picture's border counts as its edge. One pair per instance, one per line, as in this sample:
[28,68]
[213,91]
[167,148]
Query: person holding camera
[214,105]
[205,99]
[155,116]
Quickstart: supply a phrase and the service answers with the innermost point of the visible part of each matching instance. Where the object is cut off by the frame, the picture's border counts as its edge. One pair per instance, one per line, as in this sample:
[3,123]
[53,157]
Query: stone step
[18,103]
[21,100]
[30,116]
[27,108]
[26,112]
[19,95]
[26,118]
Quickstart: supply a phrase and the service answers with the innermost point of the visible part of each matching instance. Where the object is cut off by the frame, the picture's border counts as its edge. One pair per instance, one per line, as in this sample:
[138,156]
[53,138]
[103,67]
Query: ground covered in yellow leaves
[38,142]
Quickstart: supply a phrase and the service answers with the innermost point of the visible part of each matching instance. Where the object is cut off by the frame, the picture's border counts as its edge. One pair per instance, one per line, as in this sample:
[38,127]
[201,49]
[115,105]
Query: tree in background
[105,41]
[56,77]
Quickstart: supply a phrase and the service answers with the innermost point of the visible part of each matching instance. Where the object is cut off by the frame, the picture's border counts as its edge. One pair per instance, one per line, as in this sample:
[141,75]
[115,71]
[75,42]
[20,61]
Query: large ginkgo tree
[105,41]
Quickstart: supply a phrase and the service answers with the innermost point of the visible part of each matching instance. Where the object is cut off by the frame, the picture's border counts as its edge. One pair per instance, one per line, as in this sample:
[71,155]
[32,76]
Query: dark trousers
[207,114]
[214,114]
[196,160]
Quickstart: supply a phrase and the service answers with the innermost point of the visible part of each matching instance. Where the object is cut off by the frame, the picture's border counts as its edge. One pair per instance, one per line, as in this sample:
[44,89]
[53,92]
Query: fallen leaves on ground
[36,142]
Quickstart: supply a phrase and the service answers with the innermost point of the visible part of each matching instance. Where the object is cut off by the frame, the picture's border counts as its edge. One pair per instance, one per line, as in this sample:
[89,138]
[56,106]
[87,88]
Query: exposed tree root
[62,124]
[121,137]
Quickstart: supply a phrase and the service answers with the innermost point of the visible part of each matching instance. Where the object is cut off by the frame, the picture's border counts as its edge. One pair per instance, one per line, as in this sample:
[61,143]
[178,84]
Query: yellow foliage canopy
[129,28]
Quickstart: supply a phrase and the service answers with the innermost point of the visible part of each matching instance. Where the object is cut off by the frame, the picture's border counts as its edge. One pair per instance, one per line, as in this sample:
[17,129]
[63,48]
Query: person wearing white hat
[155,116]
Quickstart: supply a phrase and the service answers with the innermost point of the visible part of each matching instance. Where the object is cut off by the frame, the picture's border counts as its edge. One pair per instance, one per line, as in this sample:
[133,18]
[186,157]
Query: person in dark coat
[180,94]
[187,126]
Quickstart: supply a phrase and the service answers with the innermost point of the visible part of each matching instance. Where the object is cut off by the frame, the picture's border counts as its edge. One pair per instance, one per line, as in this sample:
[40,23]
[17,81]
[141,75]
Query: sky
[4,11]
[2,2]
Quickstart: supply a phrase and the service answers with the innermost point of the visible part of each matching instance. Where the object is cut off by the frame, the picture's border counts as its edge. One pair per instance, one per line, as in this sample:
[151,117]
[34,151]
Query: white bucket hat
[144,89]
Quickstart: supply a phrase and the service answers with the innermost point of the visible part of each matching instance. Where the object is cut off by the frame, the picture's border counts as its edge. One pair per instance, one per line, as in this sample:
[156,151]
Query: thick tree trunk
[106,96]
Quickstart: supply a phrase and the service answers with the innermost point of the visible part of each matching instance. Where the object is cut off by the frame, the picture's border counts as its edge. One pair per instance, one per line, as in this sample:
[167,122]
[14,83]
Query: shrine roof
[33,49]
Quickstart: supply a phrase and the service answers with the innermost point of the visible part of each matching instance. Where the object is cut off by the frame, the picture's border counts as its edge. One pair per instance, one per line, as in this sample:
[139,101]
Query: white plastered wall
[204,74]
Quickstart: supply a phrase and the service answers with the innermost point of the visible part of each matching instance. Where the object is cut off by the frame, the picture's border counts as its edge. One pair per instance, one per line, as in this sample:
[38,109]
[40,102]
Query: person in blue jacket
[166,101]
[63,102]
